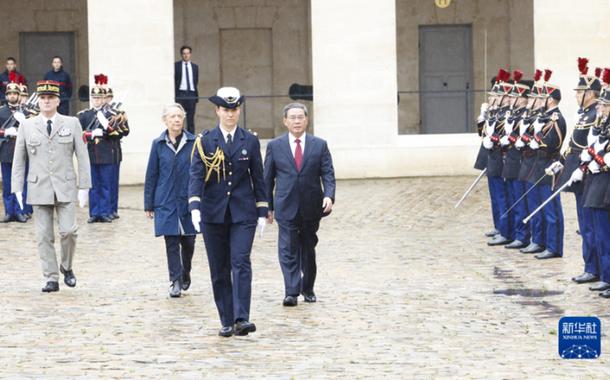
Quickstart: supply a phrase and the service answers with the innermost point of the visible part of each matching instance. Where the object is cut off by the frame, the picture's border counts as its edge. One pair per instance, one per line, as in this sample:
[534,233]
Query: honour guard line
[522,133]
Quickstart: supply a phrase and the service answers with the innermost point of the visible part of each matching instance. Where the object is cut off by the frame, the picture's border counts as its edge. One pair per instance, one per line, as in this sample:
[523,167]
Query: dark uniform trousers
[99,195]
[587,231]
[601,223]
[228,246]
[520,211]
[297,254]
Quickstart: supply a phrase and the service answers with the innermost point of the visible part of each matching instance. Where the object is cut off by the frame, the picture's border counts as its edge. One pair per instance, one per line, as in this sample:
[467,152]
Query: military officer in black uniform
[227,201]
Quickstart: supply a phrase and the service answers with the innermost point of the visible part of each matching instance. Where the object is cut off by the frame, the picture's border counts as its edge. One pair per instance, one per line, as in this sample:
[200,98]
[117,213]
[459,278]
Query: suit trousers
[188,101]
[297,254]
[66,222]
[179,250]
[228,246]
[587,232]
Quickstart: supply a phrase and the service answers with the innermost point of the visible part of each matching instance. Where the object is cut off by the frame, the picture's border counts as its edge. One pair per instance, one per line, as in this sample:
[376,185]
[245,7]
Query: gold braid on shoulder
[213,162]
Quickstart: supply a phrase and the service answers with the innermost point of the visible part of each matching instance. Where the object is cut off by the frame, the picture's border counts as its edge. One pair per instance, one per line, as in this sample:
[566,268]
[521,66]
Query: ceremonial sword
[523,196]
[568,183]
[470,188]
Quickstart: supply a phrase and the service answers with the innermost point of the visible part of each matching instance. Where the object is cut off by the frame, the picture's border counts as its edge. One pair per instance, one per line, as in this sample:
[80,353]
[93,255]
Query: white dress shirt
[45,120]
[225,133]
[293,144]
[183,85]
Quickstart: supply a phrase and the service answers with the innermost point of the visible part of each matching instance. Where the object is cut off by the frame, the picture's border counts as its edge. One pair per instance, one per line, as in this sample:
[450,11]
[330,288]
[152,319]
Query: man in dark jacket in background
[58,75]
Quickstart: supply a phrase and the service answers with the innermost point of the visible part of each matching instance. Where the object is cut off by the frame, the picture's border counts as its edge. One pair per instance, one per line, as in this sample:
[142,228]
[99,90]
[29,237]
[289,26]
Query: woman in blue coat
[165,196]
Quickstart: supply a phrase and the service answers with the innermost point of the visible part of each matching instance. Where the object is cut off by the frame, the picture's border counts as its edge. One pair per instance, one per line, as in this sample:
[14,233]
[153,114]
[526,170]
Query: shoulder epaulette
[252,132]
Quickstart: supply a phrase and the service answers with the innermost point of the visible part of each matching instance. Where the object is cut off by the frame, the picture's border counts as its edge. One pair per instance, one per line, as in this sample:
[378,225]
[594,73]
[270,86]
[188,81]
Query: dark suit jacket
[178,68]
[241,188]
[298,192]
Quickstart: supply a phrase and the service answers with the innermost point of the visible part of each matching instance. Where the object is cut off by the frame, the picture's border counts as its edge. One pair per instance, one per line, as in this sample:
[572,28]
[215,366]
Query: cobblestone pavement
[407,288]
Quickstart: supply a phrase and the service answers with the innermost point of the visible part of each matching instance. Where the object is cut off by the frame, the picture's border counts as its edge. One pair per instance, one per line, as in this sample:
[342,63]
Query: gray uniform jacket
[51,167]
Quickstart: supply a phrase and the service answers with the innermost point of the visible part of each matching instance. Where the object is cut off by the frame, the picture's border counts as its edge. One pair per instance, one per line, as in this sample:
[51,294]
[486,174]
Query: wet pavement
[407,288]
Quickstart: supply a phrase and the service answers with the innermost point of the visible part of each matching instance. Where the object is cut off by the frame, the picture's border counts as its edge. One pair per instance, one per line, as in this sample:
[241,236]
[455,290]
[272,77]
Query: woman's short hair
[168,108]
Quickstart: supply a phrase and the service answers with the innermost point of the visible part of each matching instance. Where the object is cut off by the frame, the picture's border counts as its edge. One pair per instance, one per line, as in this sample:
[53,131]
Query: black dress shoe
[584,278]
[28,215]
[244,327]
[104,219]
[492,233]
[546,255]
[498,240]
[51,286]
[516,244]
[175,290]
[226,331]
[21,218]
[290,301]
[69,278]
[310,297]
[605,294]
[599,287]
[93,219]
[532,248]
[186,281]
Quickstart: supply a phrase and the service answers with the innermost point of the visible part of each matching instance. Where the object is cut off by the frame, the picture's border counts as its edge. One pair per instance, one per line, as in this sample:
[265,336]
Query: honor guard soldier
[549,131]
[227,201]
[587,92]
[101,154]
[487,112]
[494,130]
[10,117]
[512,161]
[596,193]
[117,120]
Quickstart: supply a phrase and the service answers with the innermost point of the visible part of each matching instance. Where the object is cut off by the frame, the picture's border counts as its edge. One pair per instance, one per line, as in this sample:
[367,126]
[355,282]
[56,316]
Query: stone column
[134,46]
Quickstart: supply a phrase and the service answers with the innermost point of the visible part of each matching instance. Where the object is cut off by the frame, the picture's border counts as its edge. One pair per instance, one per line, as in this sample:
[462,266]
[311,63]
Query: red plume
[97,79]
[537,75]
[517,75]
[582,65]
[500,75]
[506,76]
[547,74]
[606,76]
[598,72]
[12,76]
[104,79]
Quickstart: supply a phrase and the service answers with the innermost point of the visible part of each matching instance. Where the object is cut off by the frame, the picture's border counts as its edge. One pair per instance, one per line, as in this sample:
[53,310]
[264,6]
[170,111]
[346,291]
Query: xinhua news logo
[579,337]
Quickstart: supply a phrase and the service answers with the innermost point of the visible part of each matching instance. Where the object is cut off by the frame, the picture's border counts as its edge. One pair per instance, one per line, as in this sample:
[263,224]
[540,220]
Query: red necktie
[298,154]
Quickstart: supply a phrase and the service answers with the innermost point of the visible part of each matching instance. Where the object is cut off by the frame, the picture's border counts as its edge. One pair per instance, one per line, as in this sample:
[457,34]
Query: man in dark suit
[227,202]
[300,169]
[186,76]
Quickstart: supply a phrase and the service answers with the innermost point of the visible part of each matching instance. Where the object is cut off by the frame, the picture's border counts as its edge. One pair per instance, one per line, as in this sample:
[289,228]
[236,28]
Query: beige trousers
[66,223]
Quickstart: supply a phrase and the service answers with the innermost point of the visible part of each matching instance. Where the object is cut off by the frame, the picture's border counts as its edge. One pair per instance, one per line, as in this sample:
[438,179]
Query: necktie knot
[229,139]
[297,141]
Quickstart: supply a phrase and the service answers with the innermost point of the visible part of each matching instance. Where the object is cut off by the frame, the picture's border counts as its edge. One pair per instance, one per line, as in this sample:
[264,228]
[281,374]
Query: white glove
[260,225]
[12,131]
[196,219]
[600,146]
[554,168]
[97,132]
[538,125]
[504,140]
[483,114]
[534,144]
[576,175]
[19,116]
[585,156]
[83,196]
[593,167]
[487,143]
[489,129]
[19,196]
[519,144]
[508,126]
[102,119]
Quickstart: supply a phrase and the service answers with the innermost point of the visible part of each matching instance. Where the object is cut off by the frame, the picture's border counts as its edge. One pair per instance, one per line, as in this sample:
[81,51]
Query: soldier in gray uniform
[49,141]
